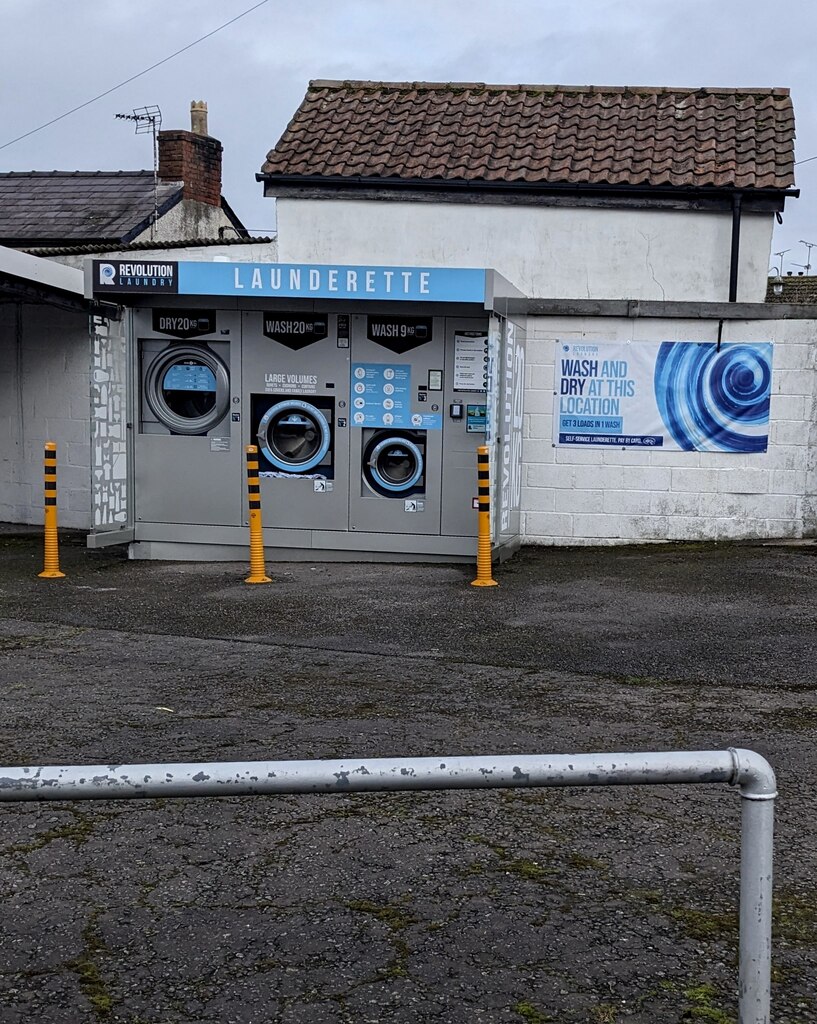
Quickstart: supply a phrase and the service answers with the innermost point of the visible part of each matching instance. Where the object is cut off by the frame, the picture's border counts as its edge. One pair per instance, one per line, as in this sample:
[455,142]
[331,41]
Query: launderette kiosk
[366,389]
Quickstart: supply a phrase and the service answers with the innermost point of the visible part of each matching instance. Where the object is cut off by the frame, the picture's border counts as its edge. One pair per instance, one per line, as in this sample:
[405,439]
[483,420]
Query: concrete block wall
[44,396]
[610,496]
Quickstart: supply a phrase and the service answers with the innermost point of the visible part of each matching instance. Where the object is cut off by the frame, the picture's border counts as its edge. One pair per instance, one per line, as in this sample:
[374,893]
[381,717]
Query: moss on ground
[86,968]
[530,1013]
[396,918]
[78,831]
[701,1005]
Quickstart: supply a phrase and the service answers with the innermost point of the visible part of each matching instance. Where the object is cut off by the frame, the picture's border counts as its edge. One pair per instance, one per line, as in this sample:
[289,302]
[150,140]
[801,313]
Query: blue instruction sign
[381,395]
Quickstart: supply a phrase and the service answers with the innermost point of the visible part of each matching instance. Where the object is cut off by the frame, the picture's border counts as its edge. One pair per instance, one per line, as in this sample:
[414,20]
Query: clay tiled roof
[541,135]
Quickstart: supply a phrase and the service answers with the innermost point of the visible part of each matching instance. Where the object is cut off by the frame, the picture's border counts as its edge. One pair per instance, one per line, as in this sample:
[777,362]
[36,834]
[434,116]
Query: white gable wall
[189,219]
[547,252]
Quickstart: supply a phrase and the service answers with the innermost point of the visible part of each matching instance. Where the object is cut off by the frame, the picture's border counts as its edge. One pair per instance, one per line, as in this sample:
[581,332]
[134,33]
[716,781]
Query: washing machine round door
[188,389]
[294,436]
[393,465]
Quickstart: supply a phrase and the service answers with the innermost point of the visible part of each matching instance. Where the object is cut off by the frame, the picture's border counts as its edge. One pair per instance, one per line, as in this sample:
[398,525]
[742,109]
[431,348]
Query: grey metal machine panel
[180,477]
[306,380]
[409,372]
[466,384]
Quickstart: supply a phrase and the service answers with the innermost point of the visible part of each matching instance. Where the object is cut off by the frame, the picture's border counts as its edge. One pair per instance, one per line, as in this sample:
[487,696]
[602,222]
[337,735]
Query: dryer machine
[188,364]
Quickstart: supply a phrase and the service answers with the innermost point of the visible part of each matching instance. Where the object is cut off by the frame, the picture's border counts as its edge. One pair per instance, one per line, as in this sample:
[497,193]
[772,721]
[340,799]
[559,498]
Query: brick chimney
[193,158]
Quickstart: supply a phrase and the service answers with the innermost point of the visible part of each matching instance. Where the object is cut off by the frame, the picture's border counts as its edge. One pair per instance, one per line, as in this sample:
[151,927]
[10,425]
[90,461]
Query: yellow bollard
[51,559]
[258,571]
[484,577]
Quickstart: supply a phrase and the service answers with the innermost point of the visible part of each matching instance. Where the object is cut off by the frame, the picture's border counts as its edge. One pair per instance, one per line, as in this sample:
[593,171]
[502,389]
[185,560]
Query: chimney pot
[198,117]
[193,157]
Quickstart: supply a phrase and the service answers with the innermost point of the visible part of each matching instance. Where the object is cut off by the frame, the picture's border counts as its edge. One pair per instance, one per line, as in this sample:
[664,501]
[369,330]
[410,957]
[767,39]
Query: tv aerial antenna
[148,120]
[781,254]
[809,246]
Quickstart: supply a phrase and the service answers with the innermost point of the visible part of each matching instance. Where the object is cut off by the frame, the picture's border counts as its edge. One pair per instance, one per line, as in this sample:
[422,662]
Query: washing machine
[296,369]
[394,462]
[188,431]
[295,436]
[396,404]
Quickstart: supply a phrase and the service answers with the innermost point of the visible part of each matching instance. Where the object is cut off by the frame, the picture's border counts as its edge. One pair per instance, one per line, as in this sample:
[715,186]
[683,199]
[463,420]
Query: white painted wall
[44,396]
[547,252]
[604,496]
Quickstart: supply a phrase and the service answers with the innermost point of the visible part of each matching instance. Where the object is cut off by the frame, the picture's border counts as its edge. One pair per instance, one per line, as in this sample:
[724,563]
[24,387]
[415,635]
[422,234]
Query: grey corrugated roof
[183,243]
[51,207]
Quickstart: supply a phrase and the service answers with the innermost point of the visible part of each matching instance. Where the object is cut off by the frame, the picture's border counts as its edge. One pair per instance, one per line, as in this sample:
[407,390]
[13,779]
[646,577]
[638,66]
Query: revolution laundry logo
[146,276]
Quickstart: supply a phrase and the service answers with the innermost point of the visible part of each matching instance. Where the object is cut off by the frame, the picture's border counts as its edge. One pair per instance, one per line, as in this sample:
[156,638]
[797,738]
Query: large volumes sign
[682,396]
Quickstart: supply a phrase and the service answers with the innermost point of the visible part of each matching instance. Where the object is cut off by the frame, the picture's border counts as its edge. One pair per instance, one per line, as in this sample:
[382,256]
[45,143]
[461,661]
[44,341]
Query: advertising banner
[676,395]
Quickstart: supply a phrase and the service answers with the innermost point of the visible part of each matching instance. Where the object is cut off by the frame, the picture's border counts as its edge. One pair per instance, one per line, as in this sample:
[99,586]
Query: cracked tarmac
[514,907]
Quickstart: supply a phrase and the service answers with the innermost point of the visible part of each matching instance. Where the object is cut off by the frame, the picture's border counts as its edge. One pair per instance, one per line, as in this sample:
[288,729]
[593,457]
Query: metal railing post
[745,768]
[758,791]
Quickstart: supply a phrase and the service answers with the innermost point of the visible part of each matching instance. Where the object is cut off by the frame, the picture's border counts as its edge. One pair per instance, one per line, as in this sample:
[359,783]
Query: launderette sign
[290,281]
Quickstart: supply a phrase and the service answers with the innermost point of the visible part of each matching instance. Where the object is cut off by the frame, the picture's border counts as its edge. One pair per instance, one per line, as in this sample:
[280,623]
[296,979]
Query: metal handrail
[745,769]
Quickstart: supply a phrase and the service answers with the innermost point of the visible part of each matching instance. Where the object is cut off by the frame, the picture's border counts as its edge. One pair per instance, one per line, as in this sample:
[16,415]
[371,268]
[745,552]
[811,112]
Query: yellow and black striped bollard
[258,571]
[484,577]
[51,559]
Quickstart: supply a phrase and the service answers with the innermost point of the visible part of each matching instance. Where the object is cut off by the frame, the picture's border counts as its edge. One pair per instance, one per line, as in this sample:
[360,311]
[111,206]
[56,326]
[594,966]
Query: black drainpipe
[737,200]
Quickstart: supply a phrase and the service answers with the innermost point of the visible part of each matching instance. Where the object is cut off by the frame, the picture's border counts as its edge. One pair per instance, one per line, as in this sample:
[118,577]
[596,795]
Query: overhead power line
[133,78]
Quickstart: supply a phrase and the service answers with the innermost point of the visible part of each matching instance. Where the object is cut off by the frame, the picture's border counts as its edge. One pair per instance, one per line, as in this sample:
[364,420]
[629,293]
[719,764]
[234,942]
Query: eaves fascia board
[341,182]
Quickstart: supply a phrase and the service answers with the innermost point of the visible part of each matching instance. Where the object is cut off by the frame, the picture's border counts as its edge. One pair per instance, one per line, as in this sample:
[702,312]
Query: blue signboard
[304,281]
[288,280]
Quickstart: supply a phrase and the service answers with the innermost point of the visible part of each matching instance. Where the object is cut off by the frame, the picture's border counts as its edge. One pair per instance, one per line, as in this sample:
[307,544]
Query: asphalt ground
[520,906]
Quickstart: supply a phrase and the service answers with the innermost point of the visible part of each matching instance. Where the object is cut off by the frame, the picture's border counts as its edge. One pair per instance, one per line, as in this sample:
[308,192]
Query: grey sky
[58,53]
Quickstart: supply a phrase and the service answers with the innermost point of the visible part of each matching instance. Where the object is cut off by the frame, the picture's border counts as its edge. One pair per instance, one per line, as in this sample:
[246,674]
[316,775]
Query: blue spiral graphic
[714,400]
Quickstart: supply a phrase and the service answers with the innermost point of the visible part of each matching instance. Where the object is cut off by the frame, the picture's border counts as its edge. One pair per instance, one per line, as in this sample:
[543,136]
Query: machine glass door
[393,465]
[188,389]
[294,436]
